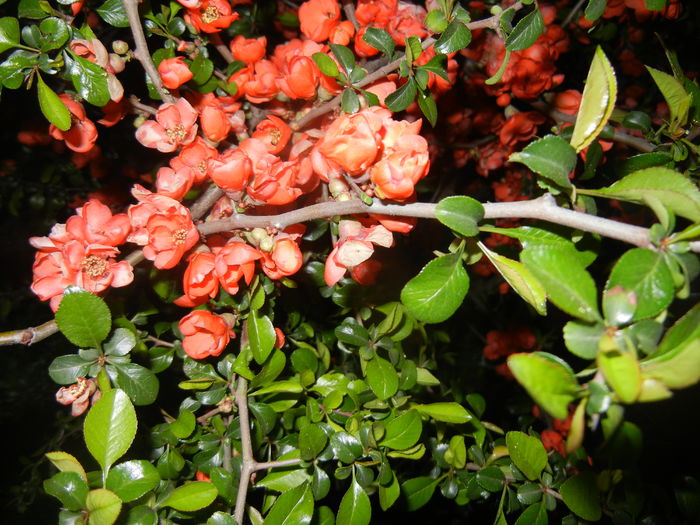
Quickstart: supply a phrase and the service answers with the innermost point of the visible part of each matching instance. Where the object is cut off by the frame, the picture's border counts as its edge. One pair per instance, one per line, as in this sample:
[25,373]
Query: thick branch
[248,465]
[28,336]
[141,50]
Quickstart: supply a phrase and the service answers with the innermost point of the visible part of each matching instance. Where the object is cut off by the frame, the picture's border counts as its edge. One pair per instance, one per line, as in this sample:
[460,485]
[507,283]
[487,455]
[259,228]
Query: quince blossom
[205,334]
[174,126]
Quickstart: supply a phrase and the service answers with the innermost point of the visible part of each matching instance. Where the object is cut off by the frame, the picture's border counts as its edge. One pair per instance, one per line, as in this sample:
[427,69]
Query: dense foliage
[343,262]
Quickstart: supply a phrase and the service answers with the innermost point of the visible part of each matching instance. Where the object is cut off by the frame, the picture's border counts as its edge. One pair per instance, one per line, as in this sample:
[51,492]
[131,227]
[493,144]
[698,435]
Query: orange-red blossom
[205,334]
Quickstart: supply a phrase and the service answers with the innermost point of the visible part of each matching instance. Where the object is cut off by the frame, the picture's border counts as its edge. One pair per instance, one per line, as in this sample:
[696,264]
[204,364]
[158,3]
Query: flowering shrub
[344,234]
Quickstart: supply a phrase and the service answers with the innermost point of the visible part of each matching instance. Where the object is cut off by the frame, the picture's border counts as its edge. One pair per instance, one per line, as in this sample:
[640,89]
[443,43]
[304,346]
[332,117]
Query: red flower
[234,261]
[211,16]
[78,395]
[82,134]
[174,72]
[175,126]
[205,334]
[199,282]
[274,133]
[249,50]
[318,18]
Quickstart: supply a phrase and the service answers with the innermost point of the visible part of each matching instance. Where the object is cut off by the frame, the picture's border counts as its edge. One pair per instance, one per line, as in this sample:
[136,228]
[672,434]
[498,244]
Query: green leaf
[66,463]
[655,5]
[418,491]
[345,57]
[284,480]
[346,447]
[55,33]
[595,9]
[527,452]
[535,514]
[461,214]
[66,369]
[326,64]
[674,190]
[355,508]
[184,425]
[582,339]
[645,274]
[379,39]
[84,319]
[491,479]
[352,333]
[69,488]
[16,67]
[382,378]
[436,21]
[457,36]
[349,101]
[312,441]
[9,33]
[132,479]
[139,383]
[677,98]
[526,32]
[549,383]
[685,330]
[294,507]
[110,427]
[89,80]
[677,368]
[597,102]
[388,494]
[121,343]
[191,496]
[551,157]
[621,371]
[103,507]
[402,97]
[403,431]
[427,105]
[438,290]
[30,9]
[447,411]
[581,495]
[261,336]
[113,12]
[221,518]
[520,279]
[287,386]
[567,283]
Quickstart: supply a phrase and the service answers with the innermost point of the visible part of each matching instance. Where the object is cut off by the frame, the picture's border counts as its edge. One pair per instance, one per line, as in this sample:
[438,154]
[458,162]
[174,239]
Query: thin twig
[136,104]
[222,48]
[248,463]
[572,14]
[349,10]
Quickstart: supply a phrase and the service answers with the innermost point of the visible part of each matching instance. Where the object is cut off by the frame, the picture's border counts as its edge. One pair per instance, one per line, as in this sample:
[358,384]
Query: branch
[141,50]
[248,465]
[28,336]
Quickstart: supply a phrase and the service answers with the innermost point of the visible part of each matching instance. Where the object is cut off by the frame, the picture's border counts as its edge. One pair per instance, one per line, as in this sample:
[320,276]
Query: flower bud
[120,47]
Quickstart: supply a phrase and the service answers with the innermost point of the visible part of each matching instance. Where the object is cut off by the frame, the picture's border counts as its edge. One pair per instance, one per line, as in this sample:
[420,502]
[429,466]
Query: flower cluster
[502,343]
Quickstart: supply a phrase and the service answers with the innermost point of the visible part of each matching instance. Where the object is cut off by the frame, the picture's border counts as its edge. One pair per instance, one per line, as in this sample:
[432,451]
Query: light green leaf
[581,495]
[52,106]
[191,496]
[418,491]
[103,507]
[390,493]
[403,431]
[549,383]
[582,339]
[184,425]
[66,369]
[132,479]
[527,452]
[567,283]
[65,462]
[551,157]
[438,290]
[84,319]
[382,378]
[457,36]
[461,214]
[674,190]
[284,480]
[526,32]
[9,33]
[326,64]
[312,440]
[685,330]
[597,102]
[677,368]
[520,279]
[140,384]
[110,427]
[448,411]
[677,98]
[621,371]
[355,508]
[646,274]
[261,336]
[69,488]
[294,507]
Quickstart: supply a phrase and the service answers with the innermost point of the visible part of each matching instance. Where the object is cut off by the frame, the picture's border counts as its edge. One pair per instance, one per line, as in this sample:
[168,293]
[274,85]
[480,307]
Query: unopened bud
[258,234]
[337,186]
[120,47]
[345,196]
[267,244]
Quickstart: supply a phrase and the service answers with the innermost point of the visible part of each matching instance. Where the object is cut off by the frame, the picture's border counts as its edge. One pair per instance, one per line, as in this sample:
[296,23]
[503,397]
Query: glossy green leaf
[550,157]
[69,488]
[345,57]
[645,274]
[428,107]
[403,431]
[581,495]
[352,333]
[379,39]
[326,64]
[355,507]
[89,80]
[549,383]
[461,214]
[677,98]
[491,479]
[567,283]
[103,507]
[65,369]
[677,368]
[110,427]
[597,102]
[132,479]
[139,383]
[84,319]
[184,425]
[457,36]
[595,9]
[418,491]
[382,378]
[448,411]
[261,336]
[526,32]
[221,518]
[312,440]
[520,279]
[535,514]
[388,494]
[674,190]
[685,330]
[349,101]
[191,496]
[438,290]
[436,21]
[121,343]
[9,33]
[52,106]
[527,452]
[294,507]
[402,97]
[284,480]
[582,339]
[66,463]
[113,12]
[346,447]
